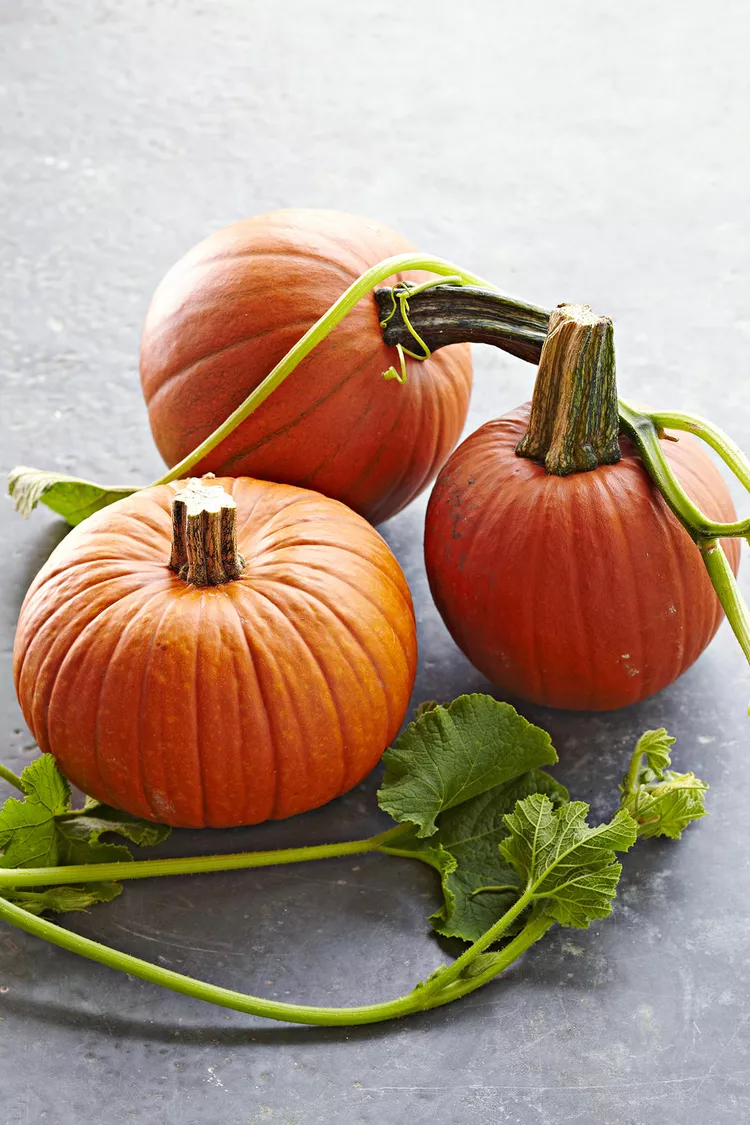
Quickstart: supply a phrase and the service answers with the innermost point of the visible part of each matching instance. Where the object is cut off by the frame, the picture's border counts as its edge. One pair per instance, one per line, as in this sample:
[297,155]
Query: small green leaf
[28,835]
[560,859]
[72,498]
[451,754]
[655,744]
[99,818]
[43,831]
[666,808]
[661,801]
[78,843]
[59,900]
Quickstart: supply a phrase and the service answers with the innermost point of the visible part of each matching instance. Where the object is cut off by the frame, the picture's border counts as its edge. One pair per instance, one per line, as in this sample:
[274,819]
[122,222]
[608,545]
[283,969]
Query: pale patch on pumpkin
[631,671]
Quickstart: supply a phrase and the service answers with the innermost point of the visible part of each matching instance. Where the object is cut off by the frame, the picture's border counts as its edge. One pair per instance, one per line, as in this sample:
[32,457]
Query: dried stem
[204,535]
[574,425]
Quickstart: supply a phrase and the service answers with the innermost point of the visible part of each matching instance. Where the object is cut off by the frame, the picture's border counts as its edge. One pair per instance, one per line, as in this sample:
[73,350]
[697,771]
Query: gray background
[585,152]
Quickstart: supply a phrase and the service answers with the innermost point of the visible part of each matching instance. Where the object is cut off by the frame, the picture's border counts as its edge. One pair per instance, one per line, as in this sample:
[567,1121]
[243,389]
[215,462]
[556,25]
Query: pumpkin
[217,656]
[228,311]
[570,583]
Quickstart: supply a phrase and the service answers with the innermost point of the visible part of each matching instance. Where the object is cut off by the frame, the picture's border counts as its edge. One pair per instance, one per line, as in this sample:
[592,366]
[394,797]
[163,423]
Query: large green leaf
[465,853]
[450,754]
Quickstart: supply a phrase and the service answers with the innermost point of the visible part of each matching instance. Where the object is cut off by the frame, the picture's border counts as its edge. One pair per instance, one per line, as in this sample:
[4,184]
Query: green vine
[442,987]
[464,786]
[646,430]
[12,778]
[314,336]
[75,499]
[401,292]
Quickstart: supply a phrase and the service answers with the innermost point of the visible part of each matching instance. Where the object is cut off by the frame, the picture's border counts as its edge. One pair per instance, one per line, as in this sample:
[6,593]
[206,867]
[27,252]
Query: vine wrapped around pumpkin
[583,590]
[458,307]
[572,588]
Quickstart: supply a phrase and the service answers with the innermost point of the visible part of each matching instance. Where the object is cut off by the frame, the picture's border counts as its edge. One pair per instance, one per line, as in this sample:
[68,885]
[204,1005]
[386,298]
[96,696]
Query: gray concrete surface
[585,152]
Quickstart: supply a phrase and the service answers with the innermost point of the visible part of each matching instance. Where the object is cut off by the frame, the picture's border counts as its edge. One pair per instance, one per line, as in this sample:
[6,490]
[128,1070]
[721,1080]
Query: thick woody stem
[204,535]
[574,422]
[451,314]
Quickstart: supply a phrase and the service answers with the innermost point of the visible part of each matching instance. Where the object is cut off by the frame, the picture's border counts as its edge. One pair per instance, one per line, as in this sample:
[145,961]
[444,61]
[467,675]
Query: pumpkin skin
[226,705]
[581,592]
[228,311]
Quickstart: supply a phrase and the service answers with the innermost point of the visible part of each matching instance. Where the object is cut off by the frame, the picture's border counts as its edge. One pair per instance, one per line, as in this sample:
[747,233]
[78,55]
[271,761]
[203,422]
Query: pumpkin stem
[435,315]
[204,535]
[574,422]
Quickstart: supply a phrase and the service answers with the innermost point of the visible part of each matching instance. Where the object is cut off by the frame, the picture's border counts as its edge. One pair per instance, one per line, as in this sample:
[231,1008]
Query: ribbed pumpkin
[228,311]
[227,688]
[578,591]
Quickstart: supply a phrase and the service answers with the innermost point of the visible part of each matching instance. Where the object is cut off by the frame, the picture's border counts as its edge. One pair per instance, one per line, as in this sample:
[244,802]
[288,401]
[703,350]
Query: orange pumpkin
[579,591]
[244,676]
[228,311]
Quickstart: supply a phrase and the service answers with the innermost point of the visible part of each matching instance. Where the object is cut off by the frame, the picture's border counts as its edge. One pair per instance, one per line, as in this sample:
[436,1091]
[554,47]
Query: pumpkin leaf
[661,801]
[42,830]
[666,809]
[560,859]
[450,754]
[98,818]
[466,855]
[60,900]
[28,835]
[70,497]
[655,745]
[425,706]
[472,833]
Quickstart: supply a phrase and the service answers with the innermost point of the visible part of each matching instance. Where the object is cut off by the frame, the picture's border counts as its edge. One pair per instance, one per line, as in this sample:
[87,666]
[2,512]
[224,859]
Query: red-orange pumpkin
[219,705]
[228,311]
[581,592]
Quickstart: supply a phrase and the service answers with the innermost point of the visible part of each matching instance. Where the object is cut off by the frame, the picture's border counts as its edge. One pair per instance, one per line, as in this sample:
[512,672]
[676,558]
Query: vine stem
[495,888]
[721,443]
[631,779]
[531,933]
[190,865]
[488,938]
[644,429]
[727,590]
[12,778]
[419,999]
[314,335]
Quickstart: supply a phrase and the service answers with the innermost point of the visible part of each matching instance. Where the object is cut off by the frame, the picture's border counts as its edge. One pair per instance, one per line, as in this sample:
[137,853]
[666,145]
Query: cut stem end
[204,535]
[574,423]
